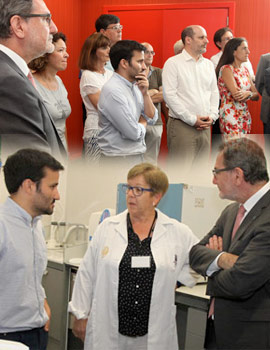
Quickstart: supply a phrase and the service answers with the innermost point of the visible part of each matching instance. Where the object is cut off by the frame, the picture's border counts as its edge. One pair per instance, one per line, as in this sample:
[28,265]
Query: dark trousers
[35,339]
[210,335]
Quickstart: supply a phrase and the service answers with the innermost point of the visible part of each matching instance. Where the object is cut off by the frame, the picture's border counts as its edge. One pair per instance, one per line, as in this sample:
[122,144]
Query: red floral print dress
[234,117]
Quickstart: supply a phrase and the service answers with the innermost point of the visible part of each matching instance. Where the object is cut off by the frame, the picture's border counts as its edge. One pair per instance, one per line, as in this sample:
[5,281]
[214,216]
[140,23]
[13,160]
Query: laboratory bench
[58,280]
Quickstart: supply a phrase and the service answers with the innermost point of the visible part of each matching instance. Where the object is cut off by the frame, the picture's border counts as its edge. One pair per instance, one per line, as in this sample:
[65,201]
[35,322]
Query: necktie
[238,220]
[31,78]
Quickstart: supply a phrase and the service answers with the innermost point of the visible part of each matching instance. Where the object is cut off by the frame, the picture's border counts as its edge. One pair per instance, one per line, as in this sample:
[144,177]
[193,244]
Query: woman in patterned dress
[235,88]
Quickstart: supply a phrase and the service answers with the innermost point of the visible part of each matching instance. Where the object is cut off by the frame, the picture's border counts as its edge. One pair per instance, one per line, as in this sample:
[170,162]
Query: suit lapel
[14,66]
[228,227]
[254,213]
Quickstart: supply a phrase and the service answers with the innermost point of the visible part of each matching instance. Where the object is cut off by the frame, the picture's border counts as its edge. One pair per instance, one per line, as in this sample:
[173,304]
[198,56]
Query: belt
[29,331]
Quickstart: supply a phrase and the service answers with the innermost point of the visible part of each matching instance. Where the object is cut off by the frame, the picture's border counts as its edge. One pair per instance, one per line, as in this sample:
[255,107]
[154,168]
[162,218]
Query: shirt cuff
[213,267]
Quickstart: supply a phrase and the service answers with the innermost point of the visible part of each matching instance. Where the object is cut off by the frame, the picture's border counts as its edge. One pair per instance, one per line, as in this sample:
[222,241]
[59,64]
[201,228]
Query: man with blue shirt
[125,106]
[31,178]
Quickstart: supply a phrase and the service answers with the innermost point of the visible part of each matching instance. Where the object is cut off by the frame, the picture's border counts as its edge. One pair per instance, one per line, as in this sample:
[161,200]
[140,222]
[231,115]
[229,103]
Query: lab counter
[192,305]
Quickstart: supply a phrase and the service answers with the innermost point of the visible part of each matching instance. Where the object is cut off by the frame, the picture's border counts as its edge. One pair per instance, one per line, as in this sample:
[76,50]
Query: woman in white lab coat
[123,298]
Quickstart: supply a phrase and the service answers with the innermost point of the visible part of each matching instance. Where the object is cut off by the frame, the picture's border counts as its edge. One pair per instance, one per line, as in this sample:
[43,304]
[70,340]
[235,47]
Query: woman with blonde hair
[124,291]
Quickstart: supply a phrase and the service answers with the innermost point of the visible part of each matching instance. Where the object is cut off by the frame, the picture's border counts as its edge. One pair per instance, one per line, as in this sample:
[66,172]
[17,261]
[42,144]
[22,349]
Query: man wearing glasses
[153,132]
[235,255]
[26,33]
[110,26]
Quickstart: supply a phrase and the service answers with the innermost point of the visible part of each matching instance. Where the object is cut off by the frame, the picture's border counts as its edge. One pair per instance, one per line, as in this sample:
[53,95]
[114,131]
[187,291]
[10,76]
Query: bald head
[148,54]
[189,32]
[195,40]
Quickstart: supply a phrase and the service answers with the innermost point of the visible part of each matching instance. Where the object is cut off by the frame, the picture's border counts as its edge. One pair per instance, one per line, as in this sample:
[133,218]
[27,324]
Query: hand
[203,122]
[79,328]
[48,311]
[143,121]
[142,82]
[216,243]
[152,92]
[227,260]
[241,95]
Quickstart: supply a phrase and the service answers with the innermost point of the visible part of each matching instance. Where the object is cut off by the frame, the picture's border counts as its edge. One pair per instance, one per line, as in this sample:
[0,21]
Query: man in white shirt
[235,254]
[31,178]
[26,33]
[191,93]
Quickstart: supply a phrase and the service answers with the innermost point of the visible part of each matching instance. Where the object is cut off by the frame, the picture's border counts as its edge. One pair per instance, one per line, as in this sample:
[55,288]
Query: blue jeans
[35,339]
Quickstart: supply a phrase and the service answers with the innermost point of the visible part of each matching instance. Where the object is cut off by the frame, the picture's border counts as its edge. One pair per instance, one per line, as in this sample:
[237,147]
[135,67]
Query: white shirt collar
[249,204]
[18,60]
[188,57]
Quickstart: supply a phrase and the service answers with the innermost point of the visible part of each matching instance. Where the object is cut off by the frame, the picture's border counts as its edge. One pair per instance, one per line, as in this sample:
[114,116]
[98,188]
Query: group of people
[124,290]
[122,92]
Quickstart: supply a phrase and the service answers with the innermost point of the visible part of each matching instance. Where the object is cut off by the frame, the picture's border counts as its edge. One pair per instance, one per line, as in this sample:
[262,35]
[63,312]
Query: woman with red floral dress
[235,88]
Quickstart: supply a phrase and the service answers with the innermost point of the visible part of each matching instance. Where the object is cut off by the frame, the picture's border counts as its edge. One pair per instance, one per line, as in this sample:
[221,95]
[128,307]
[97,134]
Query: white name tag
[140,261]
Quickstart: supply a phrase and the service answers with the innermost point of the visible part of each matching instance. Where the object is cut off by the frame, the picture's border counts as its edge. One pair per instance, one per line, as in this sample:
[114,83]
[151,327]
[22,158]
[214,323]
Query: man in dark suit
[26,33]
[235,255]
[264,63]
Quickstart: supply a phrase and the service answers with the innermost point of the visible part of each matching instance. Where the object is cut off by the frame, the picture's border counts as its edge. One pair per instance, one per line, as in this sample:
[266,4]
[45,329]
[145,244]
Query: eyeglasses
[136,190]
[147,52]
[217,171]
[47,16]
[118,27]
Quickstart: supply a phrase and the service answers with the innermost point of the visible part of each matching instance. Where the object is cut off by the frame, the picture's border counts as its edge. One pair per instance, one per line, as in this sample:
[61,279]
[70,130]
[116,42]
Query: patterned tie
[32,80]
[238,220]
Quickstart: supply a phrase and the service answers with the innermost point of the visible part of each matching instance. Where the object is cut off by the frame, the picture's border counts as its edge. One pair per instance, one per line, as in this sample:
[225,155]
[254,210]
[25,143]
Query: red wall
[76,19]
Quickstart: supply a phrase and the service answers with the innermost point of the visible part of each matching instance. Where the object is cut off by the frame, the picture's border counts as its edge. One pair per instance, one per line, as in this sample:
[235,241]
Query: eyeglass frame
[126,188]
[147,52]
[43,15]
[116,27]
[217,171]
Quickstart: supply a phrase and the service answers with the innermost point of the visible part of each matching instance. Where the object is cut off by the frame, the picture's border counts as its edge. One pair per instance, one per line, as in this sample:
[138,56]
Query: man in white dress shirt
[191,93]
[31,178]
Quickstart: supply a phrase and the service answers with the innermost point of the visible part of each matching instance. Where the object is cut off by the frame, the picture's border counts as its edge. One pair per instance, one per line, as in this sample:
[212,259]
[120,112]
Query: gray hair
[9,8]
[247,155]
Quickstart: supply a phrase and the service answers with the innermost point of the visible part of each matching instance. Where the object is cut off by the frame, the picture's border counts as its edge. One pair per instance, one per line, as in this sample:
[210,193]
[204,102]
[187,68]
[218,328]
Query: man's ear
[123,63]
[239,176]
[102,30]
[28,186]
[218,43]
[188,40]
[18,25]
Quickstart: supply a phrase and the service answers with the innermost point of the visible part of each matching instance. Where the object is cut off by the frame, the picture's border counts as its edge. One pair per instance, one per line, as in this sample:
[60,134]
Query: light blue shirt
[120,107]
[23,260]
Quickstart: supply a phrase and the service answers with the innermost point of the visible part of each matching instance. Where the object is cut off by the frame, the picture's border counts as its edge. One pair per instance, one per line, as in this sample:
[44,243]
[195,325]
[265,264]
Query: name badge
[140,261]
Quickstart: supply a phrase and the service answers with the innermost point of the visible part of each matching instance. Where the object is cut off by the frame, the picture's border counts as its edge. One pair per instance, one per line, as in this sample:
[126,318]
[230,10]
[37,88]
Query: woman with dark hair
[235,88]
[93,57]
[50,85]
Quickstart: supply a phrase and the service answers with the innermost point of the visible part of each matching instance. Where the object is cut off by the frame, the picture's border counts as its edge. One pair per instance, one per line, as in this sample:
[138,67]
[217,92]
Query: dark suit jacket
[242,293]
[264,63]
[24,119]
